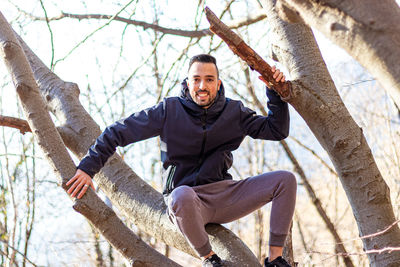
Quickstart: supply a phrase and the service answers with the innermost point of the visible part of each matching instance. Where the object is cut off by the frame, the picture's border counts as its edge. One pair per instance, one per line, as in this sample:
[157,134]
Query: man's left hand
[278,76]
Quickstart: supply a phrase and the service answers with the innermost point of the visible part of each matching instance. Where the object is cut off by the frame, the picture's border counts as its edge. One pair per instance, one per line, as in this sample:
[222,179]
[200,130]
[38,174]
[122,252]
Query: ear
[219,84]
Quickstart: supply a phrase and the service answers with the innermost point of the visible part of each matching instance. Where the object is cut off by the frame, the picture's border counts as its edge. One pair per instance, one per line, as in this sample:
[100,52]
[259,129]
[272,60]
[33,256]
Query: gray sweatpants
[191,208]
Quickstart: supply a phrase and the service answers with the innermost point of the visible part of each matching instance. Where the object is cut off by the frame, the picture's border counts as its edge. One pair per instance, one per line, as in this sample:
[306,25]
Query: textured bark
[45,133]
[288,249]
[318,102]
[245,52]
[141,204]
[21,125]
[340,248]
[368,30]
[316,99]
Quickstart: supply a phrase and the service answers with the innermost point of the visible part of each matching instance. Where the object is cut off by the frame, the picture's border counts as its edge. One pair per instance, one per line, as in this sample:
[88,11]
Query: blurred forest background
[124,67]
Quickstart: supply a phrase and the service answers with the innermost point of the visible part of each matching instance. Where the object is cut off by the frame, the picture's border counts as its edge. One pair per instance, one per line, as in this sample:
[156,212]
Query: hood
[194,109]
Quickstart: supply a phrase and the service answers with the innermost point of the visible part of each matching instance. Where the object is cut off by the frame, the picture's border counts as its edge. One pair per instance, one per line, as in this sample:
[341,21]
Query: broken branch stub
[245,52]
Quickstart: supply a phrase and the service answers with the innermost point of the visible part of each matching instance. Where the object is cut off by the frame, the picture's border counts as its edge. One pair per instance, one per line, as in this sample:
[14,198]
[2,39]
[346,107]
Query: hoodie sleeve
[273,127]
[139,126]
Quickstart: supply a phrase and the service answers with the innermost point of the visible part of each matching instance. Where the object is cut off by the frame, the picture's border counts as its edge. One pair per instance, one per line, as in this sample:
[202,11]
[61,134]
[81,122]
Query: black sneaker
[213,261]
[278,262]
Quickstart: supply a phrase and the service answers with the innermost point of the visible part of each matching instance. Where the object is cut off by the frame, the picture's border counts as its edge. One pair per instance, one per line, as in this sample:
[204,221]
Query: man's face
[203,83]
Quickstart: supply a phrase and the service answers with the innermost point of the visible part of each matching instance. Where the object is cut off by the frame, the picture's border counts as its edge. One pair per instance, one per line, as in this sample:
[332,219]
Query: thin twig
[134,71]
[314,154]
[16,250]
[371,251]
[110,18]
[51,35]
[377,233]
[122,44]
[372,235]
[145,25]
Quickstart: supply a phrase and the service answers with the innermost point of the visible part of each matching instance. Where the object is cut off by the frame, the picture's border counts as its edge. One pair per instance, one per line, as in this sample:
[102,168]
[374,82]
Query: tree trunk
[142,204]
[368,30]
[340,248]
[318,102]
[101,216]
[288,249]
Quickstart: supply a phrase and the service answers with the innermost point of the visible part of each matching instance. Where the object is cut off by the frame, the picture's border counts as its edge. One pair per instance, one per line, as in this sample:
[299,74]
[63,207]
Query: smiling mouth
[202,95]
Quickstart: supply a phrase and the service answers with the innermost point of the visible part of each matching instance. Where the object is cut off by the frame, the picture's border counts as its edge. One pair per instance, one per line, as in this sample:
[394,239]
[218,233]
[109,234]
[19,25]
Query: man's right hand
[81,182]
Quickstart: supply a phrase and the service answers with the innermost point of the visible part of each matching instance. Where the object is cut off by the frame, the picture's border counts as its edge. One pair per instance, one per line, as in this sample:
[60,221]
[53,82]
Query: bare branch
[145,25]
[245,52]
[91,206]
[18,252]
[51,34]
[111,18]
[20,124]
[370,251]
[314,154]
[374,234]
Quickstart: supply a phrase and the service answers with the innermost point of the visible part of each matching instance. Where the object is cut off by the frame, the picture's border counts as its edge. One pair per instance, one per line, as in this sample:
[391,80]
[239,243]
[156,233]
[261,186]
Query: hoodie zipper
[203,144]
[169,178]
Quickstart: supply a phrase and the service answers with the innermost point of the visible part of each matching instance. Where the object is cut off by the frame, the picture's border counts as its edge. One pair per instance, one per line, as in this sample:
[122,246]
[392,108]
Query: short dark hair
[204,58]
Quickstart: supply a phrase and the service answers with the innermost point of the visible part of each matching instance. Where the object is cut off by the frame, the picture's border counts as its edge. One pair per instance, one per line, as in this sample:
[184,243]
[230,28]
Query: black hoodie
[196,143]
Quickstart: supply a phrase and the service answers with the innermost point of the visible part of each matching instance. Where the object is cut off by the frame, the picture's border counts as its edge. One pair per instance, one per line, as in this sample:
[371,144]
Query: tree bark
[318,102]
[288,249]
[245,52]
[142,204]
[368,30]
[21,125]
[95,210]
[316,99]
[339,247]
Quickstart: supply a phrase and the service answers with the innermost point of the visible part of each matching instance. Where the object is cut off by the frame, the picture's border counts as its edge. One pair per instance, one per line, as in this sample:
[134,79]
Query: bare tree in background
[117,180]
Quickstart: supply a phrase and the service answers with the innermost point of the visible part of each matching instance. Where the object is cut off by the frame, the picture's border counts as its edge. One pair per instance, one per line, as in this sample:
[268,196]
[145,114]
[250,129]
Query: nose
[202,85]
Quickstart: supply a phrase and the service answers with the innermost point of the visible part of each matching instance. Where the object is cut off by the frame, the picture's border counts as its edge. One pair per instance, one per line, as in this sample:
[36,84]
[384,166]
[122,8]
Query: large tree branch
[318,102]
[368,30]
[91,206]
[143,205]
[253,18]
[310,190]
[320,105]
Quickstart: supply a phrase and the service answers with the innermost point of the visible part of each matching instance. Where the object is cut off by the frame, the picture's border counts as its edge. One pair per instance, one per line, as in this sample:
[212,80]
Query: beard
[204,98]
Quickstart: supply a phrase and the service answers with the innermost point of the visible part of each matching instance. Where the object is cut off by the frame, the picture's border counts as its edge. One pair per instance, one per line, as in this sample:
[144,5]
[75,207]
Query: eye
[210,80]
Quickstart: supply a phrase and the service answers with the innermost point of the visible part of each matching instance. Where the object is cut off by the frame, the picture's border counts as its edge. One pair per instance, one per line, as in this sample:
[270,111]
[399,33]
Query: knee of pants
[289,180]
[182,199]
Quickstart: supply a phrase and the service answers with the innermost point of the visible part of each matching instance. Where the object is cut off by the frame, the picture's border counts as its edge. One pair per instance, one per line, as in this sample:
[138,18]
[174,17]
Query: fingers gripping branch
[80,183]
[245,52]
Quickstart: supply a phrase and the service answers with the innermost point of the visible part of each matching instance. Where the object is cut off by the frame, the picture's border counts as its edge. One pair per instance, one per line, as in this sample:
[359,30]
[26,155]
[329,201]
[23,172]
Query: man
[198,131]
